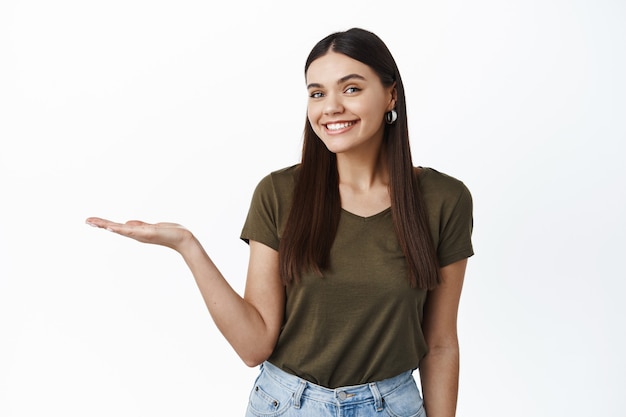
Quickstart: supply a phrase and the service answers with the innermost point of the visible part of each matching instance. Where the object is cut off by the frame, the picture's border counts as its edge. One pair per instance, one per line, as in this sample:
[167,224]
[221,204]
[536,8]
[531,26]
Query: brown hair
[314,217]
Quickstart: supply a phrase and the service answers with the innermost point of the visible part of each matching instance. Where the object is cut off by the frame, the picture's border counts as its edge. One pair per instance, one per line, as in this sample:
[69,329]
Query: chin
[334,148]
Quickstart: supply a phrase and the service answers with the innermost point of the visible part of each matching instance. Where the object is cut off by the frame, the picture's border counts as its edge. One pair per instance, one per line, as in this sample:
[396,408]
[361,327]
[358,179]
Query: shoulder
[285,174]
[436,182]
[275,189]
[449,207]
[443,194]
[279,181]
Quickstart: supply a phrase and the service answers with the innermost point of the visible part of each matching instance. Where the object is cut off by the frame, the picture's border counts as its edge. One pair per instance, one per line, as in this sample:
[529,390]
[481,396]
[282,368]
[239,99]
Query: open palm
[171,235]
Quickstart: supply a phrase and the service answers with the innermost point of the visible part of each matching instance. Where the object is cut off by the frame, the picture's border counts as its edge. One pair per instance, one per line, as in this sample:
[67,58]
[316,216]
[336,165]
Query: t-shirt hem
[266,241]
[456,257]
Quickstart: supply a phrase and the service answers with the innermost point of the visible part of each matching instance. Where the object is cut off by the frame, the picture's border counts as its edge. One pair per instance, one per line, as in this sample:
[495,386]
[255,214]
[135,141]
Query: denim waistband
[342,395]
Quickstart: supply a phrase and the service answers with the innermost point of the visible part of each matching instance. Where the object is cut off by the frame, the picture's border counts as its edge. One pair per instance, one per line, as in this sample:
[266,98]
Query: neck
[363,172]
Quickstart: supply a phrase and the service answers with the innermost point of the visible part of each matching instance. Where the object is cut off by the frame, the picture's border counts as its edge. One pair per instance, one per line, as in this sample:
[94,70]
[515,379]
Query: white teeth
[337,126]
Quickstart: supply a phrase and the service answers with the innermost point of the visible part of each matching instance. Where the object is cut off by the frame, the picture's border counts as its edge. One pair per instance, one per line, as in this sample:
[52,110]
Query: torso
[360,321]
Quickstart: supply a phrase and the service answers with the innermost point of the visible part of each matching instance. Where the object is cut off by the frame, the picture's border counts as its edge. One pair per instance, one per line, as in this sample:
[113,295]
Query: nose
[332,105]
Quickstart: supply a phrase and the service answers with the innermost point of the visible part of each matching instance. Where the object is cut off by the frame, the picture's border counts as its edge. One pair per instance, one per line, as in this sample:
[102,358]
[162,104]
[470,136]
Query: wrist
[188,244]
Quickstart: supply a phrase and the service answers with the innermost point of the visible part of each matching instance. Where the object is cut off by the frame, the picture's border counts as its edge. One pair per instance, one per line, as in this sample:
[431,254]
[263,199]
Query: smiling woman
[347,103]
[357,257]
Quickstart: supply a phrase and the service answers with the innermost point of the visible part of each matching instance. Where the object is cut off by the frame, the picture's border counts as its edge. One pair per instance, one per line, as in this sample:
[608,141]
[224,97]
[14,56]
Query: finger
[98,222]
[139,232]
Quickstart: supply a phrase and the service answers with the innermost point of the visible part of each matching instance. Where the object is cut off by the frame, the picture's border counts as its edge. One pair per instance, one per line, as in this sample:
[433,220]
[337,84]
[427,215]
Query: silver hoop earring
[391,116]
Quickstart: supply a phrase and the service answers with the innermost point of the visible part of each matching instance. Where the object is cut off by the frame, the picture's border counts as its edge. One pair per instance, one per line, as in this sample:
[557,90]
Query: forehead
[333,66]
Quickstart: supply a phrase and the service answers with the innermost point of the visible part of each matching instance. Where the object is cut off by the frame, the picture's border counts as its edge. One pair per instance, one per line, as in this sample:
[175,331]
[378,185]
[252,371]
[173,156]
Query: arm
[251,323]
[439,370]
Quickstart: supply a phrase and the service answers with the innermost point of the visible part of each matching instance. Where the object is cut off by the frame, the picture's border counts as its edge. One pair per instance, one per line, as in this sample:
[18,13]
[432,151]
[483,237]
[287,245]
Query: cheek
[378,115]
[309,115]
[369,109]
[313,112]
[314,125]
[313,117]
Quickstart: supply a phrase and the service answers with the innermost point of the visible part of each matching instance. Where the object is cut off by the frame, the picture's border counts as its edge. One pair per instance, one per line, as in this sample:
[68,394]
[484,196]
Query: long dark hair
[314,217]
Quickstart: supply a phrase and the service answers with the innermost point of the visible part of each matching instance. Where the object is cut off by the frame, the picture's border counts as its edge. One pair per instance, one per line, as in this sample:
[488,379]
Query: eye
[352,90]
[316,94]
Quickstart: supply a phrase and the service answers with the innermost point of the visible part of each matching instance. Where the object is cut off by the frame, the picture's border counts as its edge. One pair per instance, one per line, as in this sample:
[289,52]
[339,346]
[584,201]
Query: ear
[393,97]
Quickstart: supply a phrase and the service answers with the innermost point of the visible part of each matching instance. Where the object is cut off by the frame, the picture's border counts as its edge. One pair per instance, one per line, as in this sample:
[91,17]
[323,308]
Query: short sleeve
[456,226]
[261,223]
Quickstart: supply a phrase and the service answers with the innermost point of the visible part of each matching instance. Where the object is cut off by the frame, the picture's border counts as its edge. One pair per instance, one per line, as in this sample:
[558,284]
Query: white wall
[174,110]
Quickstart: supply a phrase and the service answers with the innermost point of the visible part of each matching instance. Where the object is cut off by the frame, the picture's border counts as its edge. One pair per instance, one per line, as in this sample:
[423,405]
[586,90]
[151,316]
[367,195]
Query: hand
[171,235]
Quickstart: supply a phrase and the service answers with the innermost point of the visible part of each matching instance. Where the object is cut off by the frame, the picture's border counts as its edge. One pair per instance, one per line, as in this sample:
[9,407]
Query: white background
[172,111]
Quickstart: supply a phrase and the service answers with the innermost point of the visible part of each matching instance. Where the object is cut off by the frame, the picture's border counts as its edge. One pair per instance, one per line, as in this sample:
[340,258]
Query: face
[347,103]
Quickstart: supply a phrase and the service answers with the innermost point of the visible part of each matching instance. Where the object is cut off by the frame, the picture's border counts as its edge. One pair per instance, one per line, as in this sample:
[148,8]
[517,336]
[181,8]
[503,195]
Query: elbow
[254,351]
[252,362]
[448,347]
[256,357]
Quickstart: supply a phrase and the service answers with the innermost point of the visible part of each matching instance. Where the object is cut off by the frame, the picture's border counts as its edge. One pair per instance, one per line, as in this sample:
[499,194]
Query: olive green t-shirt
[361,321]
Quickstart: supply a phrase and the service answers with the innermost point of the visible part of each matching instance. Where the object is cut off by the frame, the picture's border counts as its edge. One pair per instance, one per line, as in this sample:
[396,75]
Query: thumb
[136,223]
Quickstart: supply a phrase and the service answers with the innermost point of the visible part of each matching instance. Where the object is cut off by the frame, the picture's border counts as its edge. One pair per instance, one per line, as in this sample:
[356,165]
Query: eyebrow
[339,81]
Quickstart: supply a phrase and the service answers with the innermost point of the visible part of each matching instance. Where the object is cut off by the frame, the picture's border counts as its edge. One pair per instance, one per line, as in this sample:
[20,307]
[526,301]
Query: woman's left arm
[439,369]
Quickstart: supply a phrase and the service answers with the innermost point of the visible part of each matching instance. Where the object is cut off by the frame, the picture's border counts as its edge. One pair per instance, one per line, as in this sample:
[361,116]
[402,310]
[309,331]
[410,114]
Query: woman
[357,257]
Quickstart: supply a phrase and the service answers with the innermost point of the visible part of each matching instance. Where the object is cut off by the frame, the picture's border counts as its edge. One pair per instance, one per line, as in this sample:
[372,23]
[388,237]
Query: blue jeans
[278,393]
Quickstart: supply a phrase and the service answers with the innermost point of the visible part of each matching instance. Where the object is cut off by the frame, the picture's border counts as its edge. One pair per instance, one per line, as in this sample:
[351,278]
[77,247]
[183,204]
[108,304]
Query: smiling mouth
[339,126]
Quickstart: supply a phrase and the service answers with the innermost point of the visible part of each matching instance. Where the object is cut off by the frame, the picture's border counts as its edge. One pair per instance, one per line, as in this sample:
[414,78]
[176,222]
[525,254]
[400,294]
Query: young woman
[357,257]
